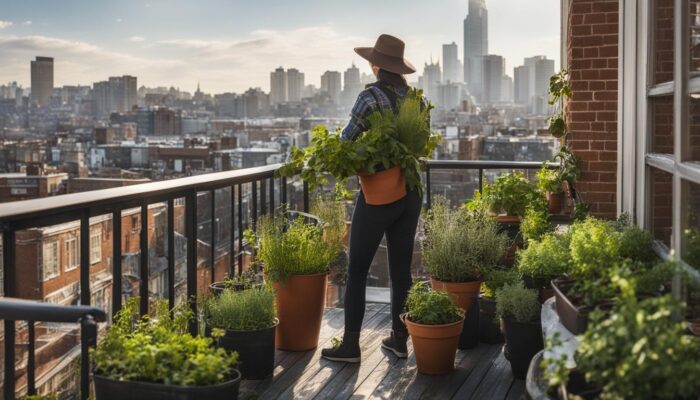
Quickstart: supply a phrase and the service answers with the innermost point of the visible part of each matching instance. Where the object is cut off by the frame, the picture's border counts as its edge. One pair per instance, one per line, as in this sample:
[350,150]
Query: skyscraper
[352,86]
[451,63]
[42,80]
[493,67]
[278,86]
[531,83]
[295,84]
[476,41]
[521,76]
[432,78]
[331,84]
[118,93]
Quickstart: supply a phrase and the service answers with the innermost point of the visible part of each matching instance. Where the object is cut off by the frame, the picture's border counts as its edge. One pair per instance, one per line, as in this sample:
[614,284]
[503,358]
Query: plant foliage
[510,194]
[431,307]
[535,224]
[516,301]
[496,278]
[546,259]
[458,247]
[157,348]
[393,139]
[244,310]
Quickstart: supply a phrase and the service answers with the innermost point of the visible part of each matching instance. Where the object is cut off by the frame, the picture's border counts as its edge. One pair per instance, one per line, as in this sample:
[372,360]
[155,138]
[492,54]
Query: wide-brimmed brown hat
[387,54]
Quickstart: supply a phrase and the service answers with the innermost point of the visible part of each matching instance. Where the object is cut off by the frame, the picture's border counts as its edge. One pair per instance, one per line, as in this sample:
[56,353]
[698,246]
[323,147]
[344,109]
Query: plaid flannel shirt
[365,105]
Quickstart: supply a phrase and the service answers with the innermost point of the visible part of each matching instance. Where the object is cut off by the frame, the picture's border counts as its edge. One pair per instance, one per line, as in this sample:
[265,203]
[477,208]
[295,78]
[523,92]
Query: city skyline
[168,44]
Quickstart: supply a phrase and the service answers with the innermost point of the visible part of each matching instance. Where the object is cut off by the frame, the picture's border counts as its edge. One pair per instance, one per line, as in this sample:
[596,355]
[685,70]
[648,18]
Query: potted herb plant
[549,182]
[296,261]
[386,157]
[507,198]
[535,224]
[332,214]
[519,311]
[249,320]
[542,261]
[456,249]
[248,279]
[153,357]
[434,323]
[494,279]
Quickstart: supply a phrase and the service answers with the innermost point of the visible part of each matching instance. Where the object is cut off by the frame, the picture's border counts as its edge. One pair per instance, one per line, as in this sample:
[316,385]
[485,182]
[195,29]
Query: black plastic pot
[217,288]
[489,328]
[109,389]
[470,332]
[256,350]
[523,341]
[573,318]
[542,285]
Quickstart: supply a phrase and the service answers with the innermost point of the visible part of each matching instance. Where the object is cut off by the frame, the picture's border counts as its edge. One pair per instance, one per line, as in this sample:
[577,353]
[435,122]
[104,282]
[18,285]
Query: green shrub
[496,278]
[510,194]
[691,253]
[458,247]
[650,280]
[637,244]
[535,224]
[245,310]
[594,249]
[549,180]
[516,301]
[157,348]
[295,248]
[638,352]
[546,259]
[430,307]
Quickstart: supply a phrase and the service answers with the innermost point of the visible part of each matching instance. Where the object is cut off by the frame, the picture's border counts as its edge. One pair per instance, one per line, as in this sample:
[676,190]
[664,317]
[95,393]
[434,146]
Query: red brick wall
[592,49]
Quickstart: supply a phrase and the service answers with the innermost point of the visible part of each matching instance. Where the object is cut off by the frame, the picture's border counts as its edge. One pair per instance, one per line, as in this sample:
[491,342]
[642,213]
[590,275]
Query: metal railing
[81,207]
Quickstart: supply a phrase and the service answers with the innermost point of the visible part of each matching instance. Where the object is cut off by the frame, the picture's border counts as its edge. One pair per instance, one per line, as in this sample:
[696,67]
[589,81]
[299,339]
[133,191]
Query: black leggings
[398,221]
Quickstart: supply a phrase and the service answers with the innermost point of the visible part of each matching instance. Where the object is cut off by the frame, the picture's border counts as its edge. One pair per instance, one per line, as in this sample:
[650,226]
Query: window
[95,244]
[72,252]
[50,260]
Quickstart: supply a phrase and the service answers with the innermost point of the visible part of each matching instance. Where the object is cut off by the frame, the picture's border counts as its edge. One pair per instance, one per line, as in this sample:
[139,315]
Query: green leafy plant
[568,168]
[394,139]
[157,348]
[332,212]
[496,278]
[535,224]
[244,310]
[510,194]
[247,279]
[638,351]
[431,307]
[458,247]
[691,253]
[559,89]
[295,248]
[636,244]
[546,259]
[516,301]
[594,248]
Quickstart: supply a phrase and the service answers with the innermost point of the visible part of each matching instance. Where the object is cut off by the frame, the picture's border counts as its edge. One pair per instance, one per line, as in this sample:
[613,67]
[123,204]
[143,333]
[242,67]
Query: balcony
[204,222]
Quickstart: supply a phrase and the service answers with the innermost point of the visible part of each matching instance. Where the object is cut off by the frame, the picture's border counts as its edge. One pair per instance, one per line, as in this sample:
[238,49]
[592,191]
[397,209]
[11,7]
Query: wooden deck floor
[481,373]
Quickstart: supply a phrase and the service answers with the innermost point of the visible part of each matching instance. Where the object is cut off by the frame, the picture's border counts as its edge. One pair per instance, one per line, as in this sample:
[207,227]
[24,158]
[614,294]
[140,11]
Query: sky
[231,45]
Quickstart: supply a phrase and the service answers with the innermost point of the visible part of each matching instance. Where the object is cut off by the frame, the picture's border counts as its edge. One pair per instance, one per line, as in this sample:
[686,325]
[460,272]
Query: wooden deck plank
[403,372]
[517,390]
[318,373]
[470,385]
[309,358]
[497,381]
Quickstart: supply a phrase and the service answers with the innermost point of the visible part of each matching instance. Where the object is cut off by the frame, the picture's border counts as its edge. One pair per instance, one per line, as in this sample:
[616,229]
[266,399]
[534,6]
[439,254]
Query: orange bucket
[383,187]
[300,302]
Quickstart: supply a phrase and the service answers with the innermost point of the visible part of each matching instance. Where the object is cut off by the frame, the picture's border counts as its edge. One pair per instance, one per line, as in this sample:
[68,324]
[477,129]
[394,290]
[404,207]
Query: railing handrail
[14,309]
[27,209]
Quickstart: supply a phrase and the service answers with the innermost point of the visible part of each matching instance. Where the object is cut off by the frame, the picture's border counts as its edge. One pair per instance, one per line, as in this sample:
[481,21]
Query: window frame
[56,269]
[76,256]
[95,244]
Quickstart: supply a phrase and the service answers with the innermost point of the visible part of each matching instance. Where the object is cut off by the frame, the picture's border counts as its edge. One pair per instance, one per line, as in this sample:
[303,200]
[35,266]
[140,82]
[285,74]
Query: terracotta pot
[508,219]
[694,327]
[434,345]
[555,202]
[383,187]
[464,295]
[300,300]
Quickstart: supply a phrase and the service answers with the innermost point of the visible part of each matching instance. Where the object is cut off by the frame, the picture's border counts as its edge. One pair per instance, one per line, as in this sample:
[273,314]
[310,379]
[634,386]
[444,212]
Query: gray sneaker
[396,343]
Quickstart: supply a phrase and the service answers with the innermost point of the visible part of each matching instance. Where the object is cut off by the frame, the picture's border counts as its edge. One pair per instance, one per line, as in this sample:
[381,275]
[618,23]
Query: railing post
[88,338]
[240,229]
[116,261]
[481,180]
[213,235]
[31,359]
[8,258]
[306,197]
[272,195]
[171,253]
[85,257]
[254,193]
[263,198]
[428,189]
[191,232]
[283,190]
[144,275]
[232,233]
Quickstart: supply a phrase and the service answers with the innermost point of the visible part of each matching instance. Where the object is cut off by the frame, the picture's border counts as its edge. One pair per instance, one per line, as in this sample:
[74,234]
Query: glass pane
[694,37]
[694,127]
[661,109]
[661,198]
[663,41]
[691,229]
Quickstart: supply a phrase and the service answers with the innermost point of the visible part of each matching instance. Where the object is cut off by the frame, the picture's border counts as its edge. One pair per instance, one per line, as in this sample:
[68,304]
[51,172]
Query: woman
[397,220]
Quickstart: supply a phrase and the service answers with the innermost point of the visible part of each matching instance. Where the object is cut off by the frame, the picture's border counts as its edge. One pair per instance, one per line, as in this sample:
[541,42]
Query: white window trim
[57,270]
[95,244]
[76,256]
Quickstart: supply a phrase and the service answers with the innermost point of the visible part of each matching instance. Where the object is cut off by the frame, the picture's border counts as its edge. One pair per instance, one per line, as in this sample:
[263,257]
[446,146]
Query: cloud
[27,22]
[137,39]
[5,24]
[118,20]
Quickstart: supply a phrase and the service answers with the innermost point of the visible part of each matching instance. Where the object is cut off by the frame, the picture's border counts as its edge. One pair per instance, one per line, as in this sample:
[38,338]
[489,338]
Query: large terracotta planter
[434,345]
[300,300]
[464,295]
[383,187]
[555,202]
